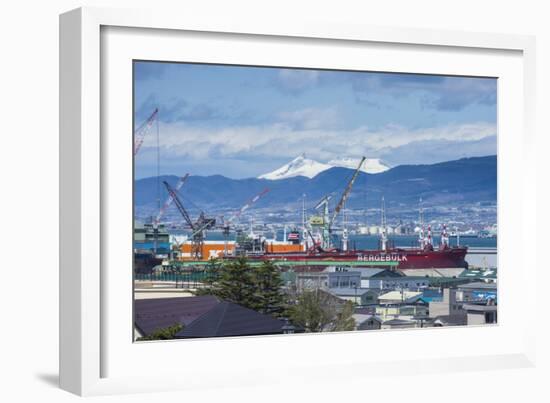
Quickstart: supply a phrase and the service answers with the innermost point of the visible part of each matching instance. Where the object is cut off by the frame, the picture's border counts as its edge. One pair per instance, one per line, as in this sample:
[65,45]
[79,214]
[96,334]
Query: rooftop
[490,274]
[349,292]
[229,319]
[405,296]
[478,285]
[479,307]
[154,314]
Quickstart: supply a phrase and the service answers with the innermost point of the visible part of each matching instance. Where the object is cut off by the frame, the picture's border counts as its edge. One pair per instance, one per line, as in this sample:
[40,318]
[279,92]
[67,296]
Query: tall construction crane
[325,244]
[328,220]
[197,228]
[141,131]
[347,191]
[226,223]
[170,199]
[167,203]
[342,203]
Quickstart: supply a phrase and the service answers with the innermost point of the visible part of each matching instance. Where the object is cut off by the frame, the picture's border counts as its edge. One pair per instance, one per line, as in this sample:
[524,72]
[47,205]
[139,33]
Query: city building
[480,275]
[344,279]
[367,322]
[359,296]
[151,239]
[383,282]
[400,324]
[478,291]
[408,312]
[481,314]
[448,306]
[397,297]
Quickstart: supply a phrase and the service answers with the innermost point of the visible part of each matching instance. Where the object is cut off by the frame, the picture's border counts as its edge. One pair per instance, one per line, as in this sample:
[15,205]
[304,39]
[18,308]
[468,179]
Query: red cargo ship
[423,257]
[451,257]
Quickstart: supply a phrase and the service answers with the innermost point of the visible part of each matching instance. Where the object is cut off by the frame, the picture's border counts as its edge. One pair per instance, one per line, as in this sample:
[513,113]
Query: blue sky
[245,121]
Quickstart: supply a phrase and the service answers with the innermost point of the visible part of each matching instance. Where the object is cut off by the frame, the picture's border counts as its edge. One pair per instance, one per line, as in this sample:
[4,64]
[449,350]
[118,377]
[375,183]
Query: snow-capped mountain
[370,166]
[299,166]
[302,166]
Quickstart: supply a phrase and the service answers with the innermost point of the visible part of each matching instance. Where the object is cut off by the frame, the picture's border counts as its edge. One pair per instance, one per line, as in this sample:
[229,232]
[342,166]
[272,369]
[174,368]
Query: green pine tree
[258,288]
[233,281]
[268,297]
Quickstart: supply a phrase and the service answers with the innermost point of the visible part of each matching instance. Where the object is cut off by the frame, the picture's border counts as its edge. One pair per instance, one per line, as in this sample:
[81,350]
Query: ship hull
[404,258]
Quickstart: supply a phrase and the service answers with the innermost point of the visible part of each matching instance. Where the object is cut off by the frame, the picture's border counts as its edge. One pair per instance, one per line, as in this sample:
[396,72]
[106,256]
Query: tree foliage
[268,295]
[166,333]
[257,288]
[318,311]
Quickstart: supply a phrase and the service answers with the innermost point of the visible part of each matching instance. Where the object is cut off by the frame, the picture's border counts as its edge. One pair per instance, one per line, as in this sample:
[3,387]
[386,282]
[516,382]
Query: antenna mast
[383,226]
[345,230]
[304,229]
[421,238]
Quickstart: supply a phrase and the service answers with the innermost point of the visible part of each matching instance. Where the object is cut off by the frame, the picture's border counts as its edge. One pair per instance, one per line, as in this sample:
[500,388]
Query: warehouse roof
[479,285]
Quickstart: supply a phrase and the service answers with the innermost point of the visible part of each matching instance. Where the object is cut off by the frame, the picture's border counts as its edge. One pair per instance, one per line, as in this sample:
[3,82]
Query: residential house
[400,324]
[398,297]
[448,311]
[481,314]
[359,296]
[367,322]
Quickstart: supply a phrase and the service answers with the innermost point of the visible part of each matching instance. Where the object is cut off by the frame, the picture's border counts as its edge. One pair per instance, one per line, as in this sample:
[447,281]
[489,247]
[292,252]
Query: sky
[242,121]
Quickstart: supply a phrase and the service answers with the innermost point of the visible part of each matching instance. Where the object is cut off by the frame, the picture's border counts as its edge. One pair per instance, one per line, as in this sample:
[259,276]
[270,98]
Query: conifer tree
[268,297]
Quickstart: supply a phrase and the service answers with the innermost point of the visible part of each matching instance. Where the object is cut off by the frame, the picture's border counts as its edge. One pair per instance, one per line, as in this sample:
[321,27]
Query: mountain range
[468,180]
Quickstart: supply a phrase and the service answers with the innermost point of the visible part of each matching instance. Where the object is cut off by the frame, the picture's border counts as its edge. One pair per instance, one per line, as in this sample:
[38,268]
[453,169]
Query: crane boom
[141,131]
[247,205]
[179,205]
[170,199]
[347,191]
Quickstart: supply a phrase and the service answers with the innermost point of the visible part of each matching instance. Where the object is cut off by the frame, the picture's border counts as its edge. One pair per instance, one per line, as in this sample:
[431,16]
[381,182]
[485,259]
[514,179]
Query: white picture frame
[96,351]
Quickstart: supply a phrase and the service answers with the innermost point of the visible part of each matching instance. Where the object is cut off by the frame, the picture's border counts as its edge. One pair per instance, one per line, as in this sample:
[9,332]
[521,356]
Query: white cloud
[310,118]
[296,81]
[283,141]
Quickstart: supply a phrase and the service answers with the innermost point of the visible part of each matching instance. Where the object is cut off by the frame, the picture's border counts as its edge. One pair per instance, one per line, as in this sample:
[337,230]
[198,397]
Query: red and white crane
[246,206]
[141,131]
